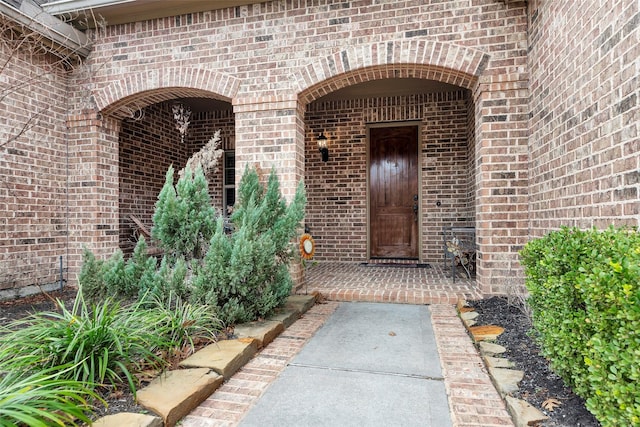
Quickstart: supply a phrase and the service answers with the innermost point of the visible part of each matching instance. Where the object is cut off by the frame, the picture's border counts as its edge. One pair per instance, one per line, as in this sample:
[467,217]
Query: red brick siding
[585,114]
[336,190]
[262,43]
[202,128]
[93,187]
[272,59]
[502,179]
[472,201]
[445,171]
[33,172]
[147,148]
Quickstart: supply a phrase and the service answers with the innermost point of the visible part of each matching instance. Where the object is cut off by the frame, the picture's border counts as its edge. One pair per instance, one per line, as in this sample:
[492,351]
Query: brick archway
[497,124]
[430,60]
[443,62]
[137,91]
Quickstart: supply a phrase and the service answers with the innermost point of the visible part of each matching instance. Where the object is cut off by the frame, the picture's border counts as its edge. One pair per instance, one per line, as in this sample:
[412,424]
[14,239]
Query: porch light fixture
[322,146]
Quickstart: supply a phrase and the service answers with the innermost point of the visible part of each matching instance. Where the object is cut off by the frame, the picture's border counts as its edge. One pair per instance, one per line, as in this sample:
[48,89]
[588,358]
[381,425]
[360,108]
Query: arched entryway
[400,168]
[368,102]
[478,185]
[120,151]
[275,130]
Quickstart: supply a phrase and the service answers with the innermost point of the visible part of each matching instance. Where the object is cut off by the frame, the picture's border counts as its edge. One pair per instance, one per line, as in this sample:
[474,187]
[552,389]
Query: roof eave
[66,39]
[60,7]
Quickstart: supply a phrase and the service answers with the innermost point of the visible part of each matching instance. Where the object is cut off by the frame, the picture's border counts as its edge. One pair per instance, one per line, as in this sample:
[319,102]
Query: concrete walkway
[369,365]
[356,356]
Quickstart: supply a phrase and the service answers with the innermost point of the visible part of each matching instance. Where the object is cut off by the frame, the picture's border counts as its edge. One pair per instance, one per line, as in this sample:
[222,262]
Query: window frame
[226,172]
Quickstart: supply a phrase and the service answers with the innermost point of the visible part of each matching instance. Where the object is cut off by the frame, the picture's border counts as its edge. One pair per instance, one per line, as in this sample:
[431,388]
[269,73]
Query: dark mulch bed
[17,309]
[539,383]
[117,401]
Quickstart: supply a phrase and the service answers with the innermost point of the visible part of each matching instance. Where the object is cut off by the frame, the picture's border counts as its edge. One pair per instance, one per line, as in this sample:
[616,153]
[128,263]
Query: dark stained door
[393,192]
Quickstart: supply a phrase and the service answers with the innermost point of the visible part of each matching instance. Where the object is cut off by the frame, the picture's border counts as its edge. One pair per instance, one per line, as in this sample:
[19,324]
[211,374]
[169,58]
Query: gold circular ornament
[307,246]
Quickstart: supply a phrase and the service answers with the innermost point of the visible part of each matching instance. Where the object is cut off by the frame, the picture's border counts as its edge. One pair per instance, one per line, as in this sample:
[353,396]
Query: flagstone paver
[174,394]
[490,348]
[506,380]
[127,419]
[225,357]
[524,414]
[263,331]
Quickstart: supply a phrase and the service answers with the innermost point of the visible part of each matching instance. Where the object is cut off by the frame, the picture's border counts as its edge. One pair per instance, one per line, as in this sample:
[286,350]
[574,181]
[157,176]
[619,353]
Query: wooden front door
[393,192]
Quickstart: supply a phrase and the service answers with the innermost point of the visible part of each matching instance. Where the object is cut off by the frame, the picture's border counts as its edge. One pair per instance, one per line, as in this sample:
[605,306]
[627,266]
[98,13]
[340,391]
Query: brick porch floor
[473,400]
[407,285]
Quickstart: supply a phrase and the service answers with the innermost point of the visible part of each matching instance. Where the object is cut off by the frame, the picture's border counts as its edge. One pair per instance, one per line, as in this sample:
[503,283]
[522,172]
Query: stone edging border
[471,390]
[501,370]
[174,394]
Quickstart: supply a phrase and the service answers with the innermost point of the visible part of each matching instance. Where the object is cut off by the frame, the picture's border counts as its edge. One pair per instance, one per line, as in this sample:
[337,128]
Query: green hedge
[584,290]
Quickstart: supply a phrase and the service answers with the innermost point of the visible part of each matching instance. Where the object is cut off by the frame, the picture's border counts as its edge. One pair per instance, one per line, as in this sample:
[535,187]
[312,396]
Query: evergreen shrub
[242,275]
[245,273]
[116,277]
[184,219]
[584,290]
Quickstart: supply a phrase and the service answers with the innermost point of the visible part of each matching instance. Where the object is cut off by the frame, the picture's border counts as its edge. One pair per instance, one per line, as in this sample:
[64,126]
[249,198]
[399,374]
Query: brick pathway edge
[473,399]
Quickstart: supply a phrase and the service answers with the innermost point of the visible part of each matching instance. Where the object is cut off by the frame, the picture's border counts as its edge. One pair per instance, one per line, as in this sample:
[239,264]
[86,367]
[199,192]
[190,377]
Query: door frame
[415,123]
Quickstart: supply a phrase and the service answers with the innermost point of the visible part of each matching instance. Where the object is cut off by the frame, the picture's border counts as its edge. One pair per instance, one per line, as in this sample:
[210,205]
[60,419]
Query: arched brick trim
[444,62]
[137,91]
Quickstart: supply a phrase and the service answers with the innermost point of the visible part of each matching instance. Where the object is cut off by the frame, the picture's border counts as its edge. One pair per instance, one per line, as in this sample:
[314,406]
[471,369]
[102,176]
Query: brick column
[502,180]
[270,134]
[93,188]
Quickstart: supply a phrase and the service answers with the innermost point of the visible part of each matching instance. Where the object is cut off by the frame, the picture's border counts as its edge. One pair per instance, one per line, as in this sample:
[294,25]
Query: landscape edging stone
[522,413]
[294,308]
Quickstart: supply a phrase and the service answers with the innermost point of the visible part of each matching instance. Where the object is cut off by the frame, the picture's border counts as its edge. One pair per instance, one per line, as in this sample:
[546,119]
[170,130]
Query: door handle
[415,207]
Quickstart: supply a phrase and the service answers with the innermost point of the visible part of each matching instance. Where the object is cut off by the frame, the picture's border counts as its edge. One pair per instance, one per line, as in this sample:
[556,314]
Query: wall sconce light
[322,146]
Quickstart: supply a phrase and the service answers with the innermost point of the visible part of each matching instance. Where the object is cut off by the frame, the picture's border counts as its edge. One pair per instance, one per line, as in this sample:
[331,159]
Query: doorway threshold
[399,263]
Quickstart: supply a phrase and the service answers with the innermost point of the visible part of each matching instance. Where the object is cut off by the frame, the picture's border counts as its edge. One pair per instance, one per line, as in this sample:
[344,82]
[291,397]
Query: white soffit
[125,11]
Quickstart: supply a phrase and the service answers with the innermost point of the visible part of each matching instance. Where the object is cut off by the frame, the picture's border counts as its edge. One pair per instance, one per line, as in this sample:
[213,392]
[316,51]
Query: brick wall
[202,128]
[472,201]
[270,60]
[337,189]
[92,186]
[272,51]
[33,172]
[446,171]
[147,148]
[585,114]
